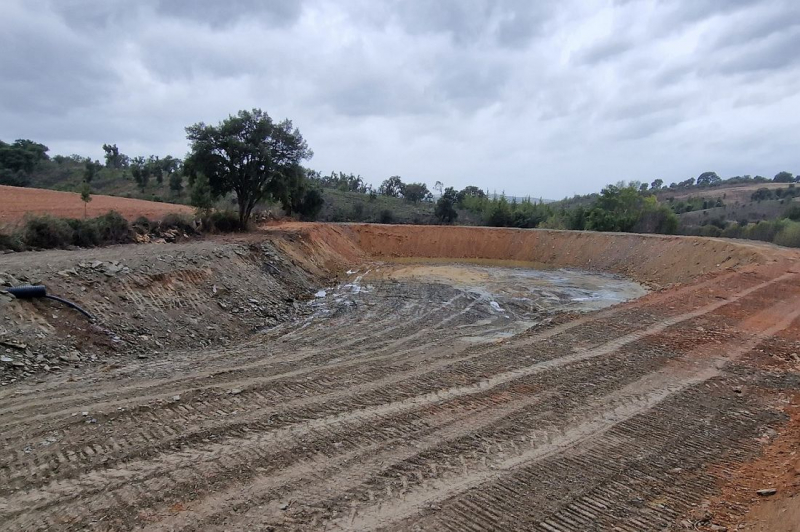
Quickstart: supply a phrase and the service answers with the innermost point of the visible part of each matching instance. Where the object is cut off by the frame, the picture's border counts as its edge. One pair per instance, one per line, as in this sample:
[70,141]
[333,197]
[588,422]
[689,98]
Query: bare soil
[16,202]
[402,399]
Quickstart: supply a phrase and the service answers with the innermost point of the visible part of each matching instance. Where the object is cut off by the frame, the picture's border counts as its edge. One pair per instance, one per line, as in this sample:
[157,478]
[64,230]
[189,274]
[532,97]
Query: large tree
[250,155]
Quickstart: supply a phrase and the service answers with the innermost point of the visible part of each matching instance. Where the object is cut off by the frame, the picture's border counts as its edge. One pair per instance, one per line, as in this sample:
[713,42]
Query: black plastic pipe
[40,291]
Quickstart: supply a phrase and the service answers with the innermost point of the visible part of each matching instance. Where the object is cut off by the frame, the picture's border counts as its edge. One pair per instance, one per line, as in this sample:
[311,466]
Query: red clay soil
[740,507]
[655,260]
[16,202]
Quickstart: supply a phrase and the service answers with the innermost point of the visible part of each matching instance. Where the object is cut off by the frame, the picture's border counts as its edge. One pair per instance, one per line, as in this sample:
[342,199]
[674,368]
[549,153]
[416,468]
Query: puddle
[496,301]
[514,286]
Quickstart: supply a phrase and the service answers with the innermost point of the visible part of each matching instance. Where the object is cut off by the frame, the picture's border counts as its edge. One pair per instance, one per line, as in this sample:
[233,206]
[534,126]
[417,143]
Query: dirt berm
[655,259]
[353,377]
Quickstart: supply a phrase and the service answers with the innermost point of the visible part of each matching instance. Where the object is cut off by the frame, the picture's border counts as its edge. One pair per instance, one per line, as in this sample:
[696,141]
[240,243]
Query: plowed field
[16,202]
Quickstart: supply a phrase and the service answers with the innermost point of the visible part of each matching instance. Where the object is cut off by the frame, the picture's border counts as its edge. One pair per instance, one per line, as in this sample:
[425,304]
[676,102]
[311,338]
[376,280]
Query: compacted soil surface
[414,394]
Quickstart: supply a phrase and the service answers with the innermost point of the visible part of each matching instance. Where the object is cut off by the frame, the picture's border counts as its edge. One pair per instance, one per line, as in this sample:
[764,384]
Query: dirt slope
[399,404]
[16,202]
[646,258]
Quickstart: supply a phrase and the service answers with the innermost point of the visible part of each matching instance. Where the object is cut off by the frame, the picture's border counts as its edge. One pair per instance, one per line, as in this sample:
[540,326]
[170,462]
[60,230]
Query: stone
[767,492]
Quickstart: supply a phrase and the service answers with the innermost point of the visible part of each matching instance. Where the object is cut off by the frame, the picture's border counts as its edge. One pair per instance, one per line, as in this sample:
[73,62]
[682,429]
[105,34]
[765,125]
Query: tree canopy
[248,154]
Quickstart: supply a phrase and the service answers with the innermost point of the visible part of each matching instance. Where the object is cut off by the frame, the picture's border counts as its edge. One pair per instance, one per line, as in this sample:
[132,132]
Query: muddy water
[504,298]
[563,289]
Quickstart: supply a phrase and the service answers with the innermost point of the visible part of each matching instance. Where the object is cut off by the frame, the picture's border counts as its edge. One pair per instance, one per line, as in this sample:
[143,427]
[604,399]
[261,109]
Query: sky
[541,98]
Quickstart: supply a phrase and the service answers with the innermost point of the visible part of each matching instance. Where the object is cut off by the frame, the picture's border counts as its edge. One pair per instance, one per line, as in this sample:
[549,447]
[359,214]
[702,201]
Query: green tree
[86,197]
[392,187]
[19,160]
[176,182]
[445,210]
[708,179]
[200,196]
[657,184]
[156,168]
[140,172]
[783,177]
[416,192]
[250,155]
[115,159]
[90,170]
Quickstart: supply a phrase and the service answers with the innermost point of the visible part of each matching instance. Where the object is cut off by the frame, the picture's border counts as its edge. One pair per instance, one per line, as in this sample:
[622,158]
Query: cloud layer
[541,98]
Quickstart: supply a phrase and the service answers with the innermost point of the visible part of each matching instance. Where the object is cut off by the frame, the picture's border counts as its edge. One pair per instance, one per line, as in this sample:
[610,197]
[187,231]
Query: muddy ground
[359,393]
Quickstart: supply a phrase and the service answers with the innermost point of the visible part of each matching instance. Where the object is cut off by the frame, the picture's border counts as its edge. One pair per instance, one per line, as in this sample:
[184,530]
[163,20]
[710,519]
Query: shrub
[142,225]
[789,234]
[84,233]
[113,228]
[46,232]
[386,216]
[182,222]
[358,212]
[764,231]
[793,213]
[10,242]
[222,222]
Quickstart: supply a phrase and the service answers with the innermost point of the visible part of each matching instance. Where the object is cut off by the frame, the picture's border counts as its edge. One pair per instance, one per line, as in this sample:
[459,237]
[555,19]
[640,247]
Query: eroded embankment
[652,259]
[151,299]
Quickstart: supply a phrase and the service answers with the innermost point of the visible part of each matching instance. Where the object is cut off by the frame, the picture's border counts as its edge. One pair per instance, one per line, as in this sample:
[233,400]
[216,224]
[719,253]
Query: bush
[386,217]
[222,222]
[10,242]
[142,225]
[793,213]
[764,231]
[46,232]
[84,233]
[113,228]
[181,222]
[358,212]
[788,234]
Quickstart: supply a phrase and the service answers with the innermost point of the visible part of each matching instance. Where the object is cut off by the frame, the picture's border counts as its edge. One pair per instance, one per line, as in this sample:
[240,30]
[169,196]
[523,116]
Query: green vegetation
[248,159]
[49,232]
[254,158]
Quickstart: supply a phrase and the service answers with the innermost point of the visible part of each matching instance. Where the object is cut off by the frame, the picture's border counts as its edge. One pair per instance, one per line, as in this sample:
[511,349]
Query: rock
[767,492]
[85,413]
[72,356]
[176,397]
[718,528]
[6,359]
[283,505]
[14,345]
[235,391]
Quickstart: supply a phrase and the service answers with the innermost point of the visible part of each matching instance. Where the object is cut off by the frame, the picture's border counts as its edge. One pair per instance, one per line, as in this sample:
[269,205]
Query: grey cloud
[681,12]
[48,69]
[759,27]
[223,12]
[776,53]
[603,51]
[511,23]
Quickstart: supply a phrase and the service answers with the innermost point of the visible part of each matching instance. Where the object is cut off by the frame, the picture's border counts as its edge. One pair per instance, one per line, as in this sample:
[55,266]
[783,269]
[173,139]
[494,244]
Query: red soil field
[16,202]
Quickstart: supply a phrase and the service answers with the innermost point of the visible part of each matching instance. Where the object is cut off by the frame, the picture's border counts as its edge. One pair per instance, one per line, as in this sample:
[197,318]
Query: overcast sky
[547,98]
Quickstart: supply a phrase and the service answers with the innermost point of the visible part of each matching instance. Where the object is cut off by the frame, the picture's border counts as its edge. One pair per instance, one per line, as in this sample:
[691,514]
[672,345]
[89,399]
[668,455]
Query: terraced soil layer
[413,404]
